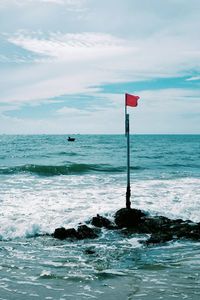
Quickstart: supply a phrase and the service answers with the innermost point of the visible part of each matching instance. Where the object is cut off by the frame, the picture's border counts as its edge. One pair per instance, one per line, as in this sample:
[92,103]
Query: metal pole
[128,189]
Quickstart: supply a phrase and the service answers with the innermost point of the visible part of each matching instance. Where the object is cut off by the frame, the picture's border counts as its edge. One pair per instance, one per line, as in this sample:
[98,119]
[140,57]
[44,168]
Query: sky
[65,66]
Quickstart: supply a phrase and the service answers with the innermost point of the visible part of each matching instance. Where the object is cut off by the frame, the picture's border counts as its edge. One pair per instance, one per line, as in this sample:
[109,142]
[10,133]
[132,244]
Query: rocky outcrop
[82,232]
[90,251]
[62,233]
[129,217]
[161,229]
[85,232]
[102,222]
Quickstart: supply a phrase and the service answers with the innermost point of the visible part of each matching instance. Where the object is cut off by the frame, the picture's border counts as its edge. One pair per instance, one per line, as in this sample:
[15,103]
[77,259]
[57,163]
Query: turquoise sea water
[47,182]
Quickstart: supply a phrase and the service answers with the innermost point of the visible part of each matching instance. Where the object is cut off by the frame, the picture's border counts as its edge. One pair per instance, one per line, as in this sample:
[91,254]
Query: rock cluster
[161,229]
[83,232]
[128,217]
[100,222]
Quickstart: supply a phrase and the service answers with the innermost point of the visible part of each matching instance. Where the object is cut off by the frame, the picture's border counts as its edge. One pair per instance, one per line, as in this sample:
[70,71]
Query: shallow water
[46,182]
[119,269]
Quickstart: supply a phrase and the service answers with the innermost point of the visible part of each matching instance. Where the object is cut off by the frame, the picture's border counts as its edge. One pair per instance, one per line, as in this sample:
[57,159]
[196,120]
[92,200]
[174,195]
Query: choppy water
[47,182]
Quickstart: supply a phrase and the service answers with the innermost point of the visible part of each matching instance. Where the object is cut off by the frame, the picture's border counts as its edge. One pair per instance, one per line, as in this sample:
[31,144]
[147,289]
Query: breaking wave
[50,170]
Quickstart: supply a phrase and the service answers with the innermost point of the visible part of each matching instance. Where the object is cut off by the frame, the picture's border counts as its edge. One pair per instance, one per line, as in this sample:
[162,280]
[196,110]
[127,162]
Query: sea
[47,182]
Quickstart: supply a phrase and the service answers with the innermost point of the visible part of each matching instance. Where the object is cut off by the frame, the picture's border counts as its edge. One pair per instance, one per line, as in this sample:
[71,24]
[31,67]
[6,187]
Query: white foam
[172,198]
[31,206]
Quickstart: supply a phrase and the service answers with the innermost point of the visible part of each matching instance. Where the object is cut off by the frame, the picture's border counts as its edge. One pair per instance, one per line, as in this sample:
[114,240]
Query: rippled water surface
[47,182]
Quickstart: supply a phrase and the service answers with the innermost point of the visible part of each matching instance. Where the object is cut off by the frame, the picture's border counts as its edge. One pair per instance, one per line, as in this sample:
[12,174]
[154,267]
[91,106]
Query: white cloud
[79,62]
[171,100]
[193,78]
[82,60]
[27,2]
[67,120]
[109,42]
[72,112]
[69,47]
[161,111]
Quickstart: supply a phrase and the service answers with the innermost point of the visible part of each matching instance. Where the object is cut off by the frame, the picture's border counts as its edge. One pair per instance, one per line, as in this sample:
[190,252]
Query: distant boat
[70,139]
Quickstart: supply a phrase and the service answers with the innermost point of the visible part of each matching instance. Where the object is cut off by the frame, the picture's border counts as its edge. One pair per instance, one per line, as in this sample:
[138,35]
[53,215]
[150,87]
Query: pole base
[128,195]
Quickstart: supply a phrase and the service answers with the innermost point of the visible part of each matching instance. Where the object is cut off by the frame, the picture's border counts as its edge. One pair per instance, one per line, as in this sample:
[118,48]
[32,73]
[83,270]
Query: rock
[162,229]
[158,238]
[62,233]
[89,251]
[188,231]
[154,224]
[85,232]
[100,221]
[129,217]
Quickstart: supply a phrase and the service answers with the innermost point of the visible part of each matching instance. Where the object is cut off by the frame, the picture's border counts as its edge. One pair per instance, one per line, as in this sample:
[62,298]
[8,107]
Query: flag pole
[128,188]
[130,100]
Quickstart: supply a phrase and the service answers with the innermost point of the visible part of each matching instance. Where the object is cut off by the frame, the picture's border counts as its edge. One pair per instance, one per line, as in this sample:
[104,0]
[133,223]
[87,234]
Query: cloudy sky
[66,64]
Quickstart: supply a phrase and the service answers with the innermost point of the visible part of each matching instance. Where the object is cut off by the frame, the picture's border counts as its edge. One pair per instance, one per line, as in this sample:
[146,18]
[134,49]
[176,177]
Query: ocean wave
[12,231]
[178,165]
[74,168]
[68,153]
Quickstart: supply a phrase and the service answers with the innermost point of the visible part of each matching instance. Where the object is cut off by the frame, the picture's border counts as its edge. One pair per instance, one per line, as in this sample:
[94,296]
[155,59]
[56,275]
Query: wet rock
[177,229]
[89,251]
[154,224]
[188,231]
[158,238]
[100,222]
[194,235]
[129,217]
[85,232]
[160,228]
[62,233]
[178,221]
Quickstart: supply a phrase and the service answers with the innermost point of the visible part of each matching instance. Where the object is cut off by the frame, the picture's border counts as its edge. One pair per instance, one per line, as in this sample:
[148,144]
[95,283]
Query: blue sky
[66,64]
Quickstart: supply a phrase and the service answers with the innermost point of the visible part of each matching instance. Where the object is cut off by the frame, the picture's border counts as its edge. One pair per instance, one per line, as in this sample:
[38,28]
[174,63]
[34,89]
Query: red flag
[131,100]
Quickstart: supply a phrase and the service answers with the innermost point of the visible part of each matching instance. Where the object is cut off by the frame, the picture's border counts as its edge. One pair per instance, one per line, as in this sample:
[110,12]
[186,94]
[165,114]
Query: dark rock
[85,232]
[158,238]
[162,229]
[154,224]
[100,221]
[188,231]
[194,235]
[62,233]
[162,221]
[128,217]
[89,251]
[177,221]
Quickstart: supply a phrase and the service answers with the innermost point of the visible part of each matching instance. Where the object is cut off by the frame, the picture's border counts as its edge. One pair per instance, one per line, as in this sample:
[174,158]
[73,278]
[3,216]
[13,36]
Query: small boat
[70,139]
